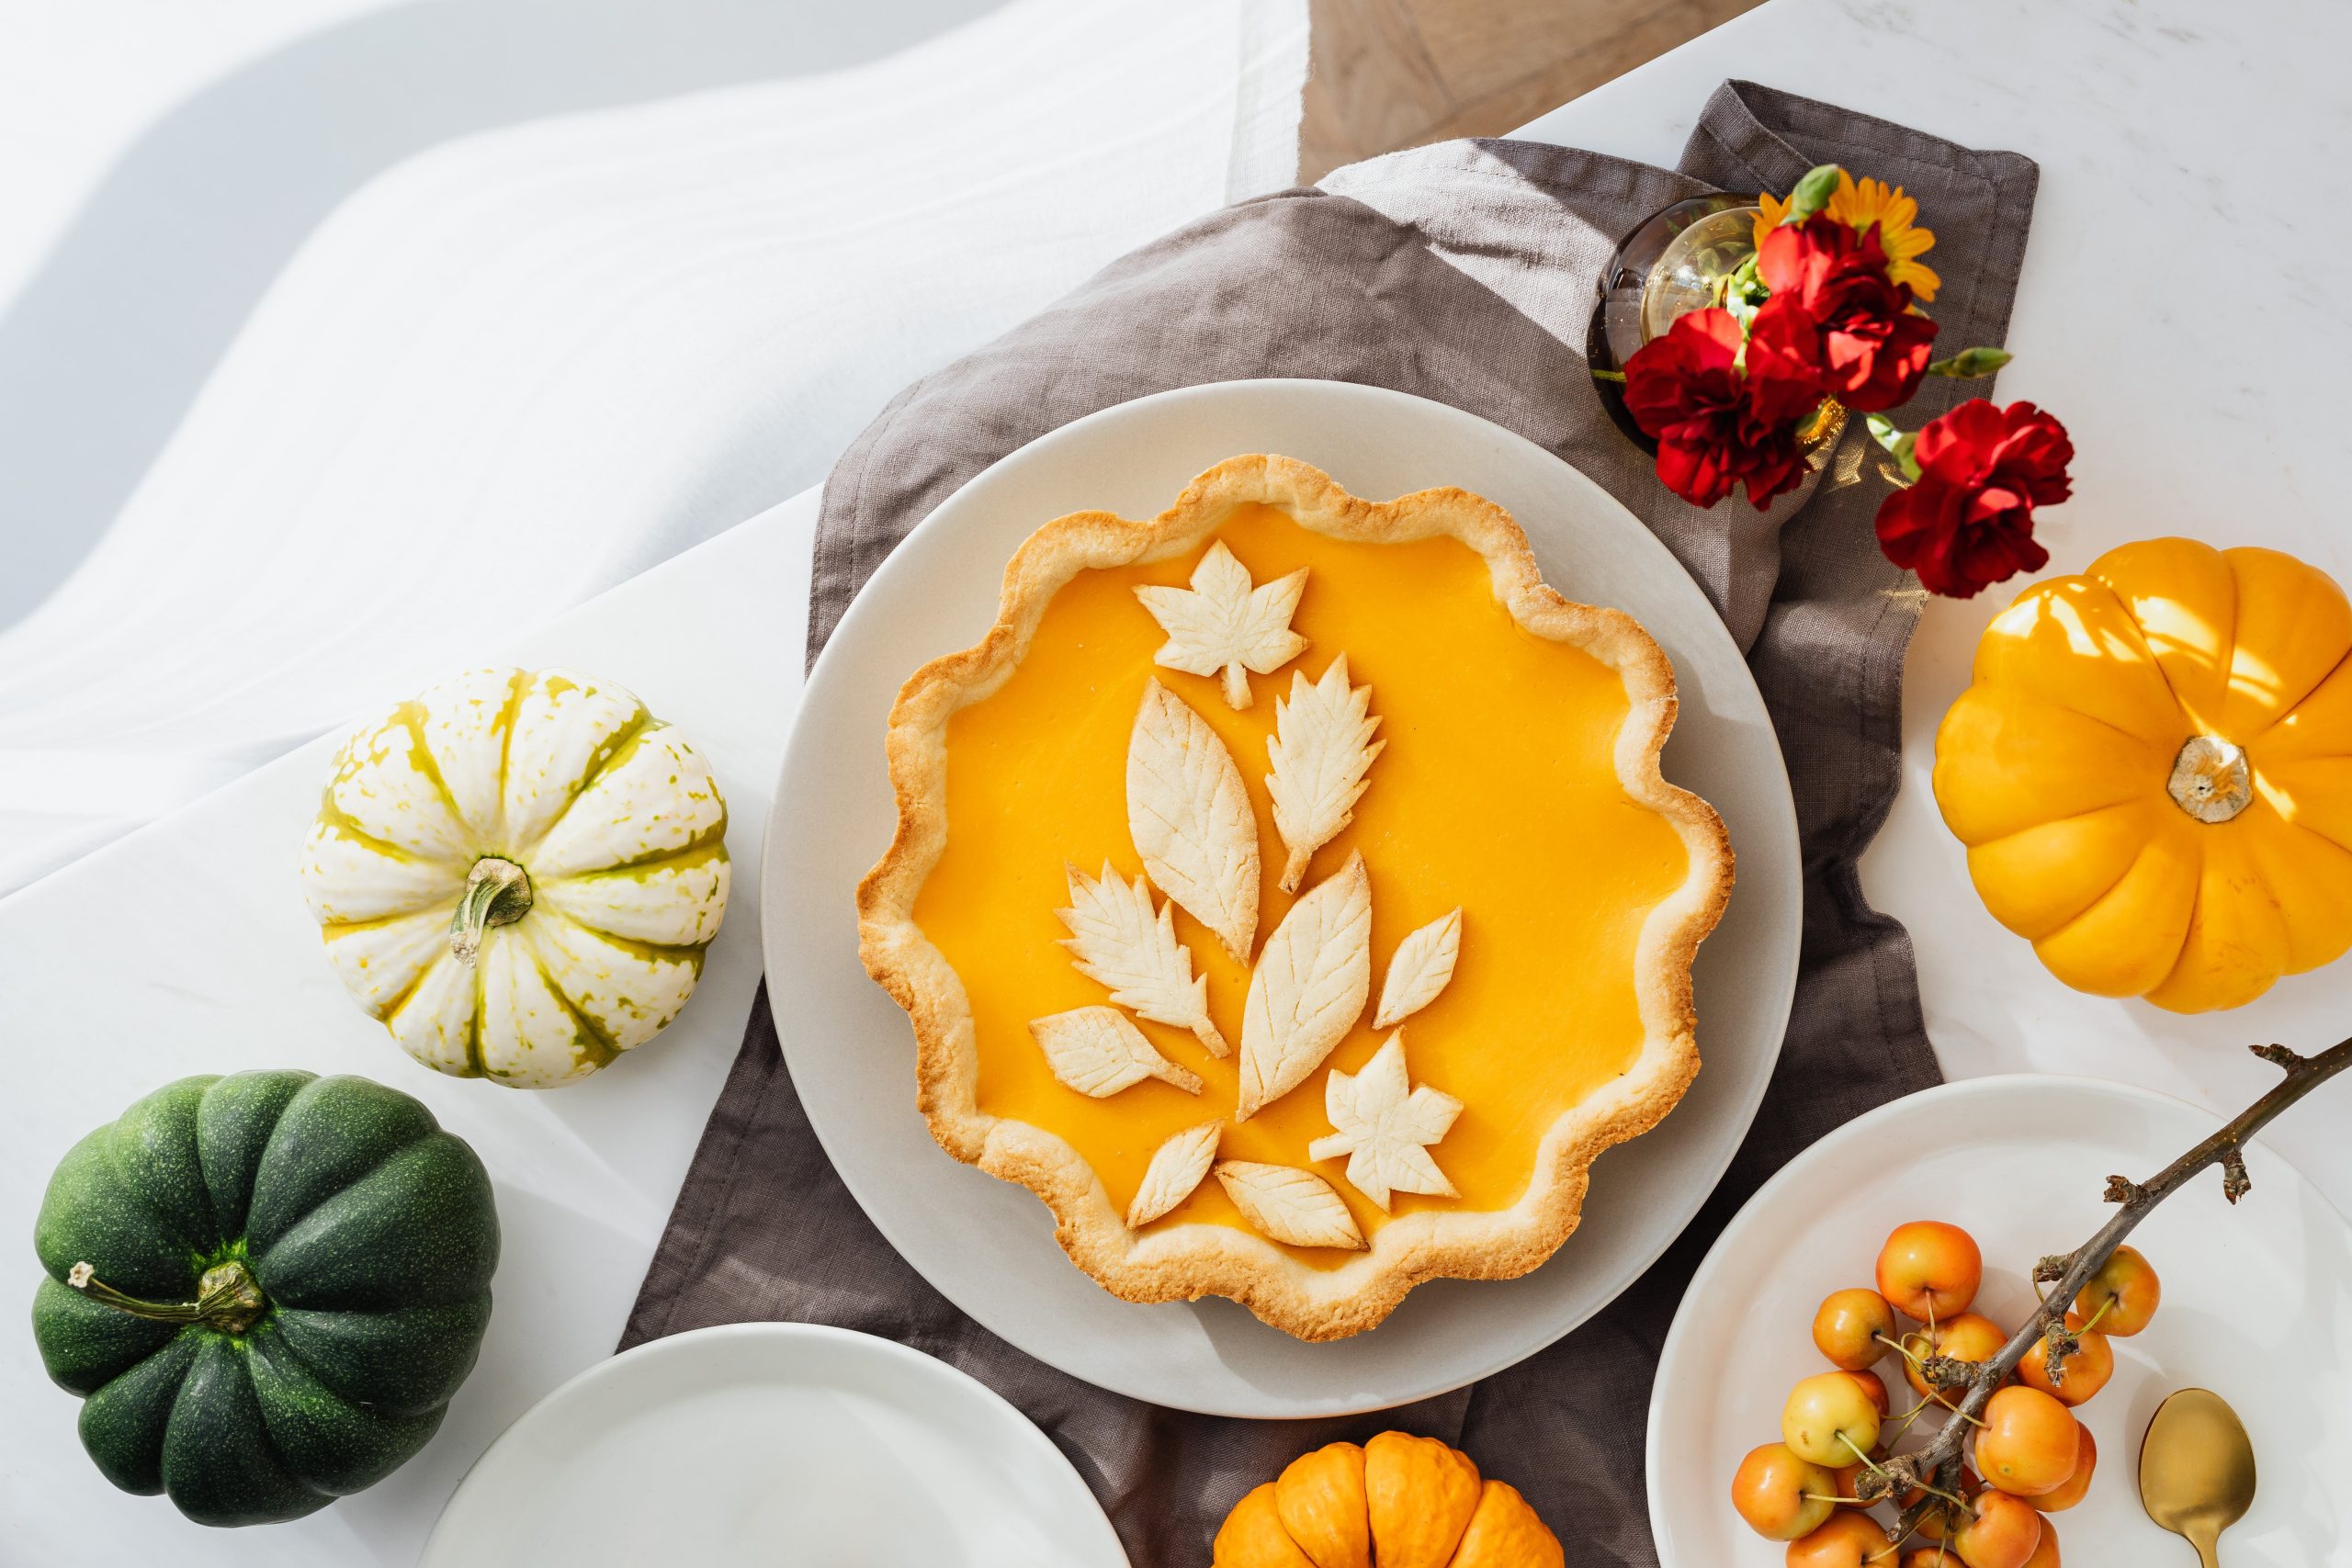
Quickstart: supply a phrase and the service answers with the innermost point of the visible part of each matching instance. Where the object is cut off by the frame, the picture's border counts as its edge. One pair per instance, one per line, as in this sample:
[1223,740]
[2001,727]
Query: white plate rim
[783,823]
[636,1361]
[1688,1324]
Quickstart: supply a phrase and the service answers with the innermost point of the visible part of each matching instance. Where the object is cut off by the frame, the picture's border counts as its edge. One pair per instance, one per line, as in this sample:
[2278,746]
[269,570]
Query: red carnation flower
[1873,350]
[1716,426]
[1969,520]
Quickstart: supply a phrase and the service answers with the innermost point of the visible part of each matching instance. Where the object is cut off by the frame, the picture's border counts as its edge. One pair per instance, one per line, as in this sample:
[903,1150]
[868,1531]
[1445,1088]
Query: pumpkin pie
[1285,891]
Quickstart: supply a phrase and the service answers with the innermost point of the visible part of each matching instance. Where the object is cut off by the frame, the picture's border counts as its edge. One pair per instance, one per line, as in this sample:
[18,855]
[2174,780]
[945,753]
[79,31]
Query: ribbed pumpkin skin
[2055,769]
[1420,1495]
[1506,1533]
[1320,1498]
[1252,1536]
[371,1232]
[1399,1502]
[612,816]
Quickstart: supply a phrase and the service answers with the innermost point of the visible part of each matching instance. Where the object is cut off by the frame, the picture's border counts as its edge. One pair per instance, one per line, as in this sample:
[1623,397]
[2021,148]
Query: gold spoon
[2197,1469]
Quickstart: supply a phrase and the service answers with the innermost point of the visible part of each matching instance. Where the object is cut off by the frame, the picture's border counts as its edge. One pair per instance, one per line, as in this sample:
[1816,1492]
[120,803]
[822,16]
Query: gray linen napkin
[1463,272]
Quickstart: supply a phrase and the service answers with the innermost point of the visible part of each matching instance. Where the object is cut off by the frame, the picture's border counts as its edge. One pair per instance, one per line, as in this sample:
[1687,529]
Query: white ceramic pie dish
[988,1245]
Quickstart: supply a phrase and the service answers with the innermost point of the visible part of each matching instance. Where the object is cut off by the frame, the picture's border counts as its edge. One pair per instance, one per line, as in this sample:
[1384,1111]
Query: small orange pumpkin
[1402,1501]
[2152,772]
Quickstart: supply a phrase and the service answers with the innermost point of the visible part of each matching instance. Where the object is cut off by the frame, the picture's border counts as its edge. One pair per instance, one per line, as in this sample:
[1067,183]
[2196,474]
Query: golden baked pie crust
[1186,1261]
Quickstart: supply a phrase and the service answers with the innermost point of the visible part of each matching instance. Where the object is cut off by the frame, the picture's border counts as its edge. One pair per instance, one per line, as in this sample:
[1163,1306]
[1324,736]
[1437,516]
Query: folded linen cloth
[1465,273]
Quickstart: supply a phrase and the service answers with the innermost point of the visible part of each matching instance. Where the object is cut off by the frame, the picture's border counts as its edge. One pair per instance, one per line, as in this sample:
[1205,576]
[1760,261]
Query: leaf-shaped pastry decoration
[1118,938]
[1098,1052]
[1189,815]
[1289,1204]
[1176,1168]
[1309,988]
[1385,1127]
[1418,970]
[1321,746]
[1223,623]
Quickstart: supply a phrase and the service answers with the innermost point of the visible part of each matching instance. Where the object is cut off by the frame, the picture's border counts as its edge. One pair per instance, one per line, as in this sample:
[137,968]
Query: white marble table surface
[2170,313]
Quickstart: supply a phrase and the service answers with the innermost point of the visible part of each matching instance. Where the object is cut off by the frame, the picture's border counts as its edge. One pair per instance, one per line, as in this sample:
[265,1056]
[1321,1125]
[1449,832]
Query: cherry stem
[1910,1418]
[2092,1322]
[1868,1463]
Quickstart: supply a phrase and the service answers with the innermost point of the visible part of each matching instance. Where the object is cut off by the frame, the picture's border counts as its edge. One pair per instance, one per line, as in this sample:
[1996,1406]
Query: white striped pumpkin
[518,873]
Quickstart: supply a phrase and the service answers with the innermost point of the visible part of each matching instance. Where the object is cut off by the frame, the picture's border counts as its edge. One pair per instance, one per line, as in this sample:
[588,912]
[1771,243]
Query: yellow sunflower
[1859,205]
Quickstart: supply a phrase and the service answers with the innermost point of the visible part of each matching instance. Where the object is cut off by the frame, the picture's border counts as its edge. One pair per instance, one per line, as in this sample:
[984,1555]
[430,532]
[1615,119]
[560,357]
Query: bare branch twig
[2067,1274]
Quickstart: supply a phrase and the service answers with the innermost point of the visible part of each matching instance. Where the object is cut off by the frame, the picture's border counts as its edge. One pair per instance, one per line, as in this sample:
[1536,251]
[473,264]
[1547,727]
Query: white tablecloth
[580,319]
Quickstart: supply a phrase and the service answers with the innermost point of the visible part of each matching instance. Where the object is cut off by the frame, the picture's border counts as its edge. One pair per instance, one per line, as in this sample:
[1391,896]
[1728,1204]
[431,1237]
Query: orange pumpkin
[2152,772]
[1399,1501]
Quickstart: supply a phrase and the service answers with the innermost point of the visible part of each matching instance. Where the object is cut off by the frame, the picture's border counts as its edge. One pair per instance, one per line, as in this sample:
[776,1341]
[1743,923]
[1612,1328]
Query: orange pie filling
[1496,793]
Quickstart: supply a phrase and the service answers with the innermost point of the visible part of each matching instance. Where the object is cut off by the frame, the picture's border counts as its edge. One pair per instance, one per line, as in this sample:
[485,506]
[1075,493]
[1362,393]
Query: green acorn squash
[266,1287]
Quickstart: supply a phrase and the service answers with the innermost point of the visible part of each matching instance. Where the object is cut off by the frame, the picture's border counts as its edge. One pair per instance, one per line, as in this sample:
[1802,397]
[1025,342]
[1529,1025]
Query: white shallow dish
[2257,1306]
[988,1244]
[771,1443]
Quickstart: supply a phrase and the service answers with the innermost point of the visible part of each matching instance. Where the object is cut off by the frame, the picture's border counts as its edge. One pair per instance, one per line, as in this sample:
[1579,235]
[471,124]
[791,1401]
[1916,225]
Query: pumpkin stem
[228,1298]
[2210,779]
[498,892]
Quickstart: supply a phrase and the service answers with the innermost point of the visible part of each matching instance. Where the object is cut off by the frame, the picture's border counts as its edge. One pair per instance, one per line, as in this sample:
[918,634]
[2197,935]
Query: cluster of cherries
[2034,1457]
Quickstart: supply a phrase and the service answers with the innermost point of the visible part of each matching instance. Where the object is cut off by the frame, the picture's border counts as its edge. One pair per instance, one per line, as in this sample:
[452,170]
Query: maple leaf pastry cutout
[1385,1127]
[1223,623]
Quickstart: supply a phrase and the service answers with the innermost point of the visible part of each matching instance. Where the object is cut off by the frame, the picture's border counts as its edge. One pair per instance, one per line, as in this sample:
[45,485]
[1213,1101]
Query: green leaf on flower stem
[1812,192]
[1971,363]
[1898,444]
[1741,292]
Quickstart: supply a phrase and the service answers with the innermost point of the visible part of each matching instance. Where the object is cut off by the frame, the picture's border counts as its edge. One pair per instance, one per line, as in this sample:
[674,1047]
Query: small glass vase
[1676,262]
